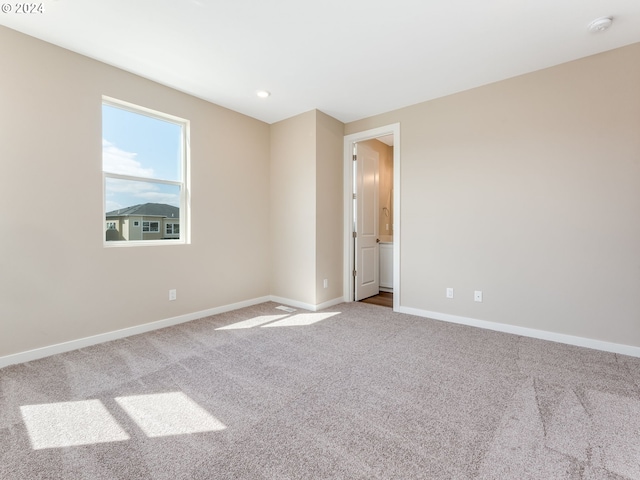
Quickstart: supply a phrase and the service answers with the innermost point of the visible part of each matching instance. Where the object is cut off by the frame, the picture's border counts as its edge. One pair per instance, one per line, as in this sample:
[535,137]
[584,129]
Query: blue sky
[141,146]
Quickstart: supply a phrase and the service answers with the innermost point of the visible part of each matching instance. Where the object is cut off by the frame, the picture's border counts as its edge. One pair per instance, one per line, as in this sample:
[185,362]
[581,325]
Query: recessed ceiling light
[263,93]
[600,24]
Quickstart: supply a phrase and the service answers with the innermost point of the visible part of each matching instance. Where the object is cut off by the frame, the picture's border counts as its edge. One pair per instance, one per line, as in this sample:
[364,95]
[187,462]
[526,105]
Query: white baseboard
[526,332]
[330,303]
[306,306]
[37,353]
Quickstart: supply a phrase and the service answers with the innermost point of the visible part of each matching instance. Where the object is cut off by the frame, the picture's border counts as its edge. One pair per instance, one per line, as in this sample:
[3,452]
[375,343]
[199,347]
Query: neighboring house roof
[147,210]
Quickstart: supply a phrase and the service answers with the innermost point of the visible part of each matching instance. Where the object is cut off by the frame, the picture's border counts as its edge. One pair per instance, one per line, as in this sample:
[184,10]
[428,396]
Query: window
[145,171]
[151,227]
[111,225]
[173,229]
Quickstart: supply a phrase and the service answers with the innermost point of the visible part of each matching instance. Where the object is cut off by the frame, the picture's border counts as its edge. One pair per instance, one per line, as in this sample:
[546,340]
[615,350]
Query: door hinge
[355,158]
[355,234]
[354,196]
[355,274]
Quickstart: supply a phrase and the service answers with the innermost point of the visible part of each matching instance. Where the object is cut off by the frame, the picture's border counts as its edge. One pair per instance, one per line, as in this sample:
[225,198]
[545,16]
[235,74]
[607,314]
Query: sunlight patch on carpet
[286,309]
[253,322]
[164,414]
[66,424]
[301,319]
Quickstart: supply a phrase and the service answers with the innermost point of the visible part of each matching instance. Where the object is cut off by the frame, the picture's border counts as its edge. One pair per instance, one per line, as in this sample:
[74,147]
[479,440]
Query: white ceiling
[349,58]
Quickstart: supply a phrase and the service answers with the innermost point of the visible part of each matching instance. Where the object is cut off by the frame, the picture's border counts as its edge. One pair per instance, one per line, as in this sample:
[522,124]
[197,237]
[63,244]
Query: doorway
[372,214]
[383,299]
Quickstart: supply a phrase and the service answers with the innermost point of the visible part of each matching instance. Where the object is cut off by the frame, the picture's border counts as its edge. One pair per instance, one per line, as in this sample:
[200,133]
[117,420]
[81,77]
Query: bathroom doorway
[371,216]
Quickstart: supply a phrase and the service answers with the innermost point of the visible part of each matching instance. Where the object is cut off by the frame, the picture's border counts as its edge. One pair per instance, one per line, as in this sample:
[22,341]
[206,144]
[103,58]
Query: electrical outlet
[449,292]
[477,296]
[172,294]
[326,283]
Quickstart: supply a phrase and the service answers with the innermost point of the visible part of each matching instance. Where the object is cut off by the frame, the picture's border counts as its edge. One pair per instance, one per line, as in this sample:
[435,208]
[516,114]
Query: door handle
[377,240]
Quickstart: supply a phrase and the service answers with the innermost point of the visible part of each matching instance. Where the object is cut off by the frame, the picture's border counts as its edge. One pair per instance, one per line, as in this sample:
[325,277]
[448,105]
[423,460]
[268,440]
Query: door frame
[348,261]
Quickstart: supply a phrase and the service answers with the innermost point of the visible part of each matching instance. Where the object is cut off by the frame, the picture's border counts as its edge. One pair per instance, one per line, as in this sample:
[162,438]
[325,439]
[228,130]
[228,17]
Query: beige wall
[386,192]
[293,206]
[529,190]
[306,208]
[385,184]
[57,287]
[329,207]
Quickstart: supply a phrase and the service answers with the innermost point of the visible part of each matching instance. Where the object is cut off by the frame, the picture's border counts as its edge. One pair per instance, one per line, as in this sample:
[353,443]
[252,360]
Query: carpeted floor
[352,392]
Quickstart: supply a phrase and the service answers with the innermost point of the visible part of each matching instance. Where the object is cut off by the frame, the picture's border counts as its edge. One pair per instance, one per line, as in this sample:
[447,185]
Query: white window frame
[184,184]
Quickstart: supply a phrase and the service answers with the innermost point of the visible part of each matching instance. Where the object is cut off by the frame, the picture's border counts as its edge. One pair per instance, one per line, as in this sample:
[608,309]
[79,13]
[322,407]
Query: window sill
[141,243]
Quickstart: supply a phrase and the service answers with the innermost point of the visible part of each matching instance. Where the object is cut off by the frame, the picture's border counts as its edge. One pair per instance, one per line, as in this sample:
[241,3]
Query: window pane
[123,194]
[144,167]
[139,145]
[130,202]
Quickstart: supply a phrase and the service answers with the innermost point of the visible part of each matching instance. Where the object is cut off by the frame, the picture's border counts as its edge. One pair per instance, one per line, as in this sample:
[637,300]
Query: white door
[367,281]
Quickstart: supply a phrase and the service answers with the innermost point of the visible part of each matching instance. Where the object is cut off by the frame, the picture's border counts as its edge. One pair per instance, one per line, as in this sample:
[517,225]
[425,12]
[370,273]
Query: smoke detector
[600,24]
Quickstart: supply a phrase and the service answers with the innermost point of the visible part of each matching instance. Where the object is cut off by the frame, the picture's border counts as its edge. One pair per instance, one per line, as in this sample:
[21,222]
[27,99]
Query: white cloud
[115,185]
[126,193]
[111,206]
[159,197]
[115,160]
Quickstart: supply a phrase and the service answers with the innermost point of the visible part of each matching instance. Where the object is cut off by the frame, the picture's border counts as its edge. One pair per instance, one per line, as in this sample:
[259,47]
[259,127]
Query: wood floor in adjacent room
[384,299]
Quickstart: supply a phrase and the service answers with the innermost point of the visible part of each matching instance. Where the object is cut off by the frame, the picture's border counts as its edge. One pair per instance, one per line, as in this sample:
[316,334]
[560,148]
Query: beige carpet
[353,392]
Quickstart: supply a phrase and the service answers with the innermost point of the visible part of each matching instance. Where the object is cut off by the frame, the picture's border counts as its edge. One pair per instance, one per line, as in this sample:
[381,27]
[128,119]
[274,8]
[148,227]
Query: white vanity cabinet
[386,267]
